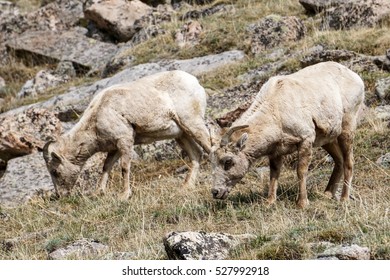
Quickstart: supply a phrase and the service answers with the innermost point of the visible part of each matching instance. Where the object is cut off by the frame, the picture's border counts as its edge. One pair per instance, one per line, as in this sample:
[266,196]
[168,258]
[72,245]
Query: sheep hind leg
[194,153]
[125,146]
[335,152]
[111,158]
[304,158]
[275,164]
[346,145]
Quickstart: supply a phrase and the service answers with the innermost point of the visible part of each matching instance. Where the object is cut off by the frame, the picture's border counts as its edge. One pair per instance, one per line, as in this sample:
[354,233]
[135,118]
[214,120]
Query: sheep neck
[79,147]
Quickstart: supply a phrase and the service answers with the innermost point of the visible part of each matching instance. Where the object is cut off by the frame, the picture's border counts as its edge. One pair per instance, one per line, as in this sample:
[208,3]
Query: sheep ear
[56,157]
[242,141]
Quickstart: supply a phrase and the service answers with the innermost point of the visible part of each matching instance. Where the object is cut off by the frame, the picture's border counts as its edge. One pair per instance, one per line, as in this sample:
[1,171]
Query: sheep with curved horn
[165,105]
[316,106]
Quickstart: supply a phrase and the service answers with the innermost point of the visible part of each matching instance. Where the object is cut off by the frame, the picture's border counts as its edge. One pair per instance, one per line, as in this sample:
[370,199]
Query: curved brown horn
[45,150]
[226,137]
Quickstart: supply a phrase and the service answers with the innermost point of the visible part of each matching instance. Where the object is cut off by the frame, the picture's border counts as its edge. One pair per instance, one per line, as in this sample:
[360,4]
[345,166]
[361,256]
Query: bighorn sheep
[165,105]
[316,106]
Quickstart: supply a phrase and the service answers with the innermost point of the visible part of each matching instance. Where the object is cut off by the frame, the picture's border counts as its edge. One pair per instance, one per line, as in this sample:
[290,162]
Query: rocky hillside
[55,55]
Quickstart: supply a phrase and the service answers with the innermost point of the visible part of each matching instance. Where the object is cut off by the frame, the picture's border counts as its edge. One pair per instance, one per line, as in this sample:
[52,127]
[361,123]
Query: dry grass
[222,32]
[15,75]
[368,41]
[161,205]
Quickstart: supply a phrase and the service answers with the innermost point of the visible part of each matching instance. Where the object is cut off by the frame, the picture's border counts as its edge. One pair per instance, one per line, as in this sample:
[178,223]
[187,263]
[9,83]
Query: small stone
[382,89]
[384,160]
[189,34]
[382,112]
[80,249]
[346,252]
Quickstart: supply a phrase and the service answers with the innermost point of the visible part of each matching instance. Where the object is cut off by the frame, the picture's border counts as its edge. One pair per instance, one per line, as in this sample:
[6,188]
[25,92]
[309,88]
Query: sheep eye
[227,164]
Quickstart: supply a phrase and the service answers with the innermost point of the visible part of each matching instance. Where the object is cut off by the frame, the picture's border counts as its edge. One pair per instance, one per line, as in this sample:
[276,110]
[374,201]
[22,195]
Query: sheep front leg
[125,147]
[194,153]
[111,158]
[304,158]
[275,164]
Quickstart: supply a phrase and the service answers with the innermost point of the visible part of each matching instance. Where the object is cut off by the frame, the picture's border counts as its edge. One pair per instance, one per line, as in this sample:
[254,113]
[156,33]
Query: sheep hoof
[189,183]
[328,194]
[126,196]
[301,204]
[99,192]
[270,201]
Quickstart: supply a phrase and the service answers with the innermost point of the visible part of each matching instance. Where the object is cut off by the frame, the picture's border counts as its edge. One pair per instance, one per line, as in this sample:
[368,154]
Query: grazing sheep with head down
[165,105]
[316,106]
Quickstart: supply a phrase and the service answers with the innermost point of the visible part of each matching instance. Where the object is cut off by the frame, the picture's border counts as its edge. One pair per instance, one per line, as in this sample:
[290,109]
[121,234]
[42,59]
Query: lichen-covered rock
[316,6]
[146,33]
[65,69]
[323,54]
[359,13]
[382,61]
[24,178]
[382,112]
[42,81]
[150,24]
[345,252]
[275,30]
[382,89]
[59,15]
[8,9]
[221,103]
[354,61]
[201,245]
[27,132]
[117,16]
[216,9]
[227,119]
[80,249]
[47,46]
[189,34]
[159,150]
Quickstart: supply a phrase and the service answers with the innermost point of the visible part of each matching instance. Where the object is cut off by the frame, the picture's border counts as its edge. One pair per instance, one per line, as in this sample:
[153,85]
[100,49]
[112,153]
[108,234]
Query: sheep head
[63,173]
[229,163]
